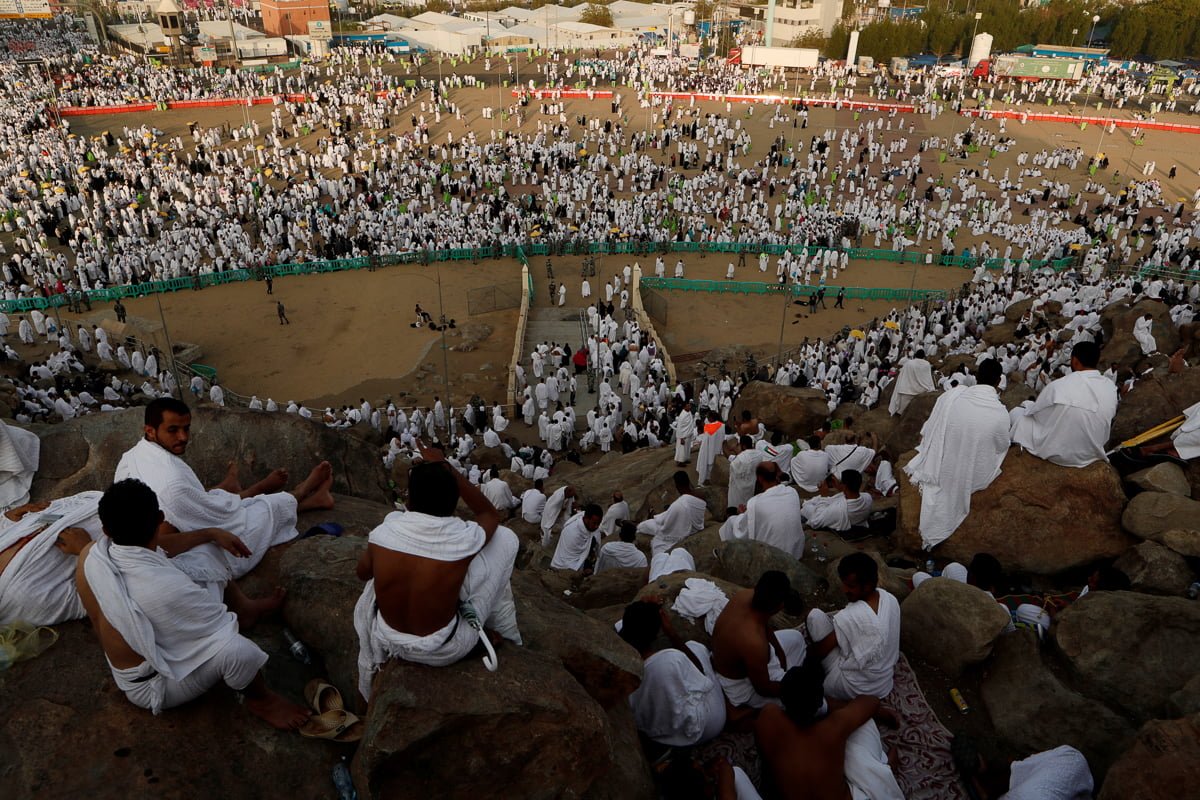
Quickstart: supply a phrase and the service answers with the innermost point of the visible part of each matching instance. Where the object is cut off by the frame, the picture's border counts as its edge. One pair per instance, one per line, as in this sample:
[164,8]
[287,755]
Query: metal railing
[794,289]
[519,251]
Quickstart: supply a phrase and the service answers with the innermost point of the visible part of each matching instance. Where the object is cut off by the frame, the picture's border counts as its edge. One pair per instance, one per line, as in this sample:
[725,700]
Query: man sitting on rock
[532,502]
[682,518]
[167,636]
[429,574]
[498,493]
[1070,421]
[842,504]
[772,516]
[679,702]
[261,516]
[749,657]
[860,644]
[623,552]
[915,378]
[816,748]
[810,467]
[963,444]
[579,540]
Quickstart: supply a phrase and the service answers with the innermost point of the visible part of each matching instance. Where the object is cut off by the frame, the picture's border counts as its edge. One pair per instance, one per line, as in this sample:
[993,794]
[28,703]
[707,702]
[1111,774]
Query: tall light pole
[1074,33]
[442,325]
[1092,34]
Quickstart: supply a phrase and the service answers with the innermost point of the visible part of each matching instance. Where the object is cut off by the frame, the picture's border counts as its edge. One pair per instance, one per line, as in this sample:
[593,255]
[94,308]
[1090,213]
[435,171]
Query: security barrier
[796,290]
[521,252]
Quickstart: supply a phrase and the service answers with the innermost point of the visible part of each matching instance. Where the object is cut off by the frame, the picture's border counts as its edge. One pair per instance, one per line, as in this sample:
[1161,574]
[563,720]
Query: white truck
[789,57]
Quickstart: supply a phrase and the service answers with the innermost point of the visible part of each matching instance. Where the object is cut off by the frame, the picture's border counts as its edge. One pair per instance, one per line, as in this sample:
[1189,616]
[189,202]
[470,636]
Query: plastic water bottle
[342,781]
[296,647]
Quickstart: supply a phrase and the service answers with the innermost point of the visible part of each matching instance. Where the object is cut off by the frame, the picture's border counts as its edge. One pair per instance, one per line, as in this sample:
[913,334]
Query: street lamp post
[1074,33]
[442,325]
[1092,33]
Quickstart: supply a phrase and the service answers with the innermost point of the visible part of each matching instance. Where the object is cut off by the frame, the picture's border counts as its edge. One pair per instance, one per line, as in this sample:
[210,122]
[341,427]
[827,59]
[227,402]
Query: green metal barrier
[793,290]
[521,252]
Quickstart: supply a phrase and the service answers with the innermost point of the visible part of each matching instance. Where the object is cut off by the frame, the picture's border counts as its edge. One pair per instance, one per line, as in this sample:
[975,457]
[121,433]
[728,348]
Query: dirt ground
[350,335]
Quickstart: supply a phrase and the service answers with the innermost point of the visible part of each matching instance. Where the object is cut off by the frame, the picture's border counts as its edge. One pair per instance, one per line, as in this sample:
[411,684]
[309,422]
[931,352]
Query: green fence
[794,290]
[521,252]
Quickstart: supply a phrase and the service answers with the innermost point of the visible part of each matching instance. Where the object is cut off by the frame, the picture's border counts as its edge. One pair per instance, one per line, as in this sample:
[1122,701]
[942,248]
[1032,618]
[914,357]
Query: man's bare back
[416,595]
[808,763]
[737,639]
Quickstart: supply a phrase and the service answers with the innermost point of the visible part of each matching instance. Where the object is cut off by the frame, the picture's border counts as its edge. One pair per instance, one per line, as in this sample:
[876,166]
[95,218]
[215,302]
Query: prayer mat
[926,769]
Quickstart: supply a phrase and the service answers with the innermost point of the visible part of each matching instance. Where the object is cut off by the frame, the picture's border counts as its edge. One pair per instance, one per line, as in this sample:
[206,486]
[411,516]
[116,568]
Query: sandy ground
[350,334]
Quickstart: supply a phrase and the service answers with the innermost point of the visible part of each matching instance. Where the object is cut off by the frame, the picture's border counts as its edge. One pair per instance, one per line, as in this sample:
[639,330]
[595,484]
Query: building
[796,17]
[291,17]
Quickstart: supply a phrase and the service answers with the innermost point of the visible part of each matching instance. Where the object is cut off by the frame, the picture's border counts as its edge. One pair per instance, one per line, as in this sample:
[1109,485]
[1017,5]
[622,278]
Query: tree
[812,38]
[596,14]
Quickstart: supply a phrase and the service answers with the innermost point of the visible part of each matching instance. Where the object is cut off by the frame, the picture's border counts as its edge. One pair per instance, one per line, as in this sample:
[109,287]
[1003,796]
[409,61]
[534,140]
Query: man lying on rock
[429,573]
[261,516]
[166,634]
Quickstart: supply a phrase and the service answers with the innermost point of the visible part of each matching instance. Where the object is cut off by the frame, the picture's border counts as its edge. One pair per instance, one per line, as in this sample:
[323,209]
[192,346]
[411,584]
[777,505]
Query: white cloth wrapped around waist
[38,585]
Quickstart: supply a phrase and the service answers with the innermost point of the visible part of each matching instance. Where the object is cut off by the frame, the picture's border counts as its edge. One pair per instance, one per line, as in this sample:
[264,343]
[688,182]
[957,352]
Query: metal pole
[445,359]
[170,347]
[787,298]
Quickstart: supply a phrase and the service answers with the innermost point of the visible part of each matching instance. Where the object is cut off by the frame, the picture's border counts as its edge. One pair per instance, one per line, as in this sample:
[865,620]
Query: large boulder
[67,731]
[1121,349]
[527,730]
[1155,569]
[82,454]
[743,562]
[894,580]
[1162,764]
[488,457]
[1152,402]
[950,625]
[1036,517]
[629,778]
[322,590]
[796,413]
[1133,650]
[1184,542]
[611,587]
[906,430]
[1165,477]
[1151,513]
[1033,711]
[637,475]
[607,668]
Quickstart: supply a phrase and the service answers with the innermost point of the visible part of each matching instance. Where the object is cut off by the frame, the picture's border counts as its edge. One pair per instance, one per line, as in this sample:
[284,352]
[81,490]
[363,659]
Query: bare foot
[251,610]
[274,482]
[319,498]
[320,474]
[277,711]
[230,482]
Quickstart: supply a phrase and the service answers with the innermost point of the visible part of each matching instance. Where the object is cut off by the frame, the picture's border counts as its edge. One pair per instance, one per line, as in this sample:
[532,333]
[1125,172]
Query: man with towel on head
[860,644]
[772,516]
[559,506]
[165,631]
[580,537]
[261,516]
[711,439]
[685,434]
[682,518]
[916,377]
[963,444]
[1070,421]
[430,575]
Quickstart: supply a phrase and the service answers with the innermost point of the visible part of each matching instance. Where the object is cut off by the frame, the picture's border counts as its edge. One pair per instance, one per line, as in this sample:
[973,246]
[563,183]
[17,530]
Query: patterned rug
[926,770]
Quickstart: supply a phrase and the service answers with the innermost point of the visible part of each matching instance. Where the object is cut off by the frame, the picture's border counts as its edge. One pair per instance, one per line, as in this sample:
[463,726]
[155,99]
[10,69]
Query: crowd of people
[353,162]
